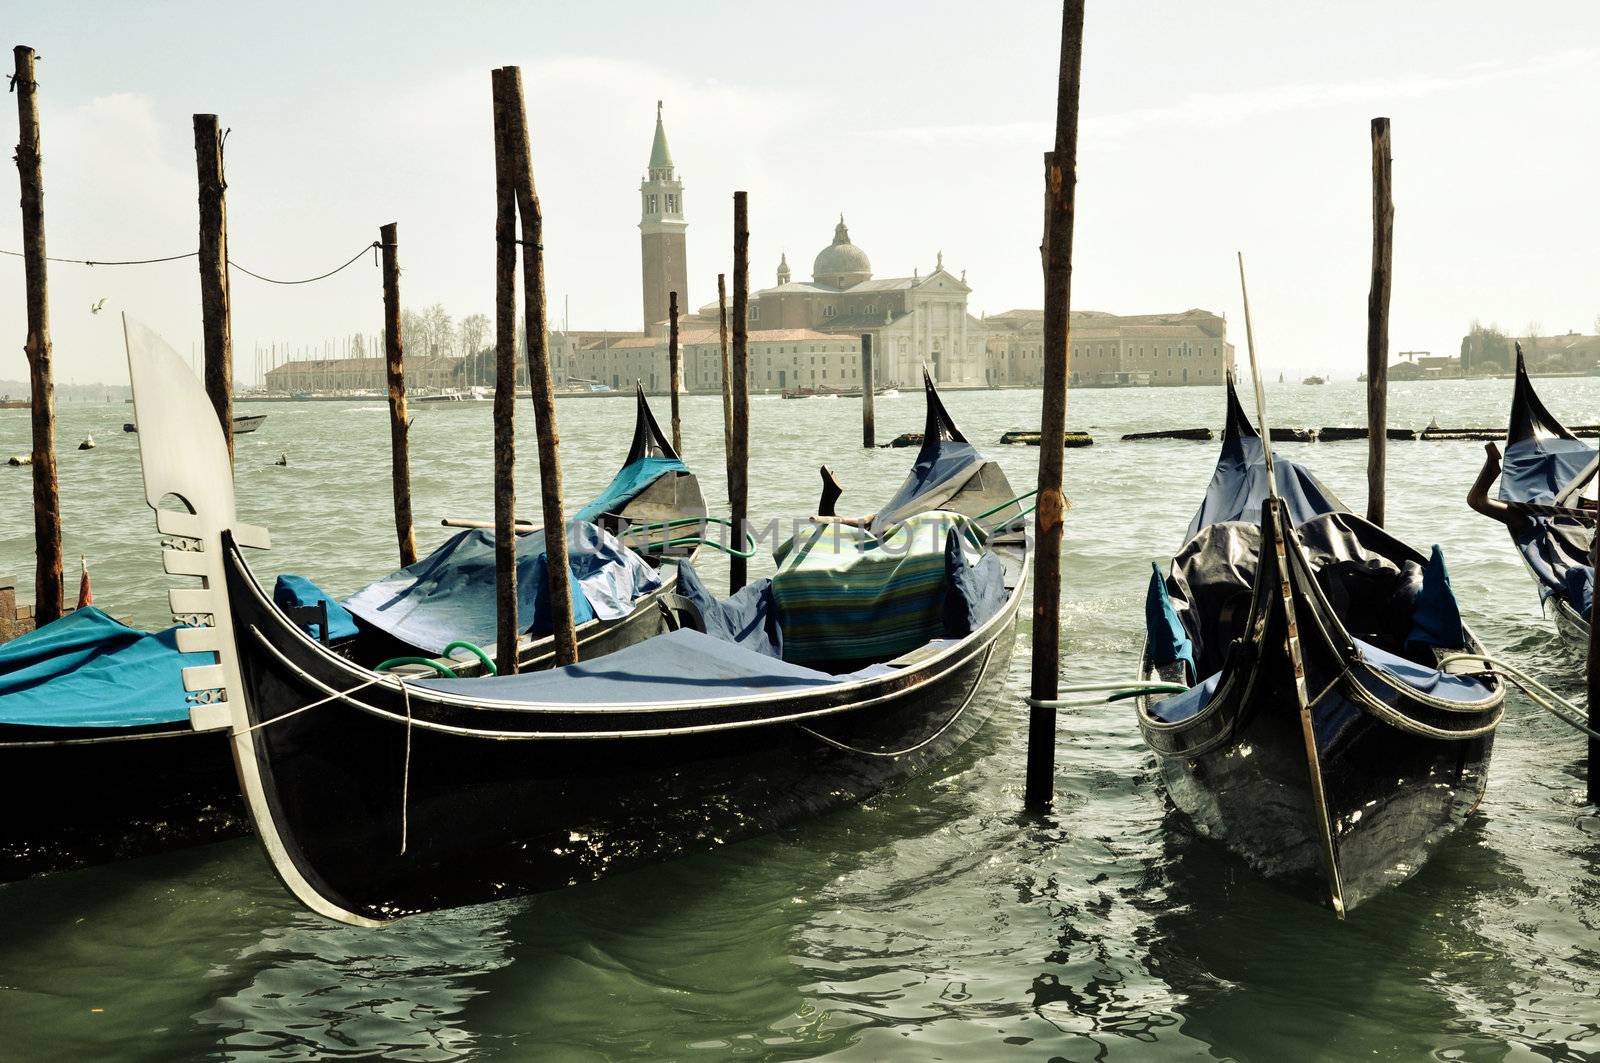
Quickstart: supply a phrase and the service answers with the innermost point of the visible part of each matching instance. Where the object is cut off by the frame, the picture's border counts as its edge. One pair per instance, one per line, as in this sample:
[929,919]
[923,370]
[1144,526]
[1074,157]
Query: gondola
[1339,777]
[91,700]
[1549,475]
[377,796]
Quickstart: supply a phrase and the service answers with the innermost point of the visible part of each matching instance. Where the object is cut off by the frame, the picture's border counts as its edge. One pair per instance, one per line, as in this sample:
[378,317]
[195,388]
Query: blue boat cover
[1421,678]
[630,481]
[297,592]
[1181,707]
[450,594]
[681,665]
[1435,614]
[1239,487]
[944,463]
[1165,634]
[88,670]
[1537,467]
[745,619]
[975,590]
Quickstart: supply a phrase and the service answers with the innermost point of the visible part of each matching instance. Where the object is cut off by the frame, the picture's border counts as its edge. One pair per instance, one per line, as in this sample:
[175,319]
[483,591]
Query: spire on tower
[783,269]
[660,154]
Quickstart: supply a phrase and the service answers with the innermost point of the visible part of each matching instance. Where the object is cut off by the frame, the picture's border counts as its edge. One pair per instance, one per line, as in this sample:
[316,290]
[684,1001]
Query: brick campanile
[663,260]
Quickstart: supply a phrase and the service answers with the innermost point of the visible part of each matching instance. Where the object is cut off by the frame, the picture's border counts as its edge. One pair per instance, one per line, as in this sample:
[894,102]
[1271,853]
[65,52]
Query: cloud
[1220,109]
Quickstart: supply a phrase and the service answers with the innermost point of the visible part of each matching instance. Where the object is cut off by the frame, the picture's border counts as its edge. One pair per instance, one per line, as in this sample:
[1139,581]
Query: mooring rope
[307,708]
[1536,691]
[375,245]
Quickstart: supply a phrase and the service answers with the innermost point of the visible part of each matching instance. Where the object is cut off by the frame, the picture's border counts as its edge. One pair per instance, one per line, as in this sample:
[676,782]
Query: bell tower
[661,234]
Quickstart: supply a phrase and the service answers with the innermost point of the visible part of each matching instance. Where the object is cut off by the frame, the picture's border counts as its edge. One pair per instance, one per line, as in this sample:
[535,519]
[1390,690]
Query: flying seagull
[97,307]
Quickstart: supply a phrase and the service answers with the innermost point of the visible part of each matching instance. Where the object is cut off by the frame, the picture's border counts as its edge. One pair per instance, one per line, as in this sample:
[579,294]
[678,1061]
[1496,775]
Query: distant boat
[1313,380]
[9,403]
[472,394]
[242,425]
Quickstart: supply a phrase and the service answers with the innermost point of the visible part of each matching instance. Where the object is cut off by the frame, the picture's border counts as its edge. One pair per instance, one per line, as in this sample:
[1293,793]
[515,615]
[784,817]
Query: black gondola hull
[467,818]
[1399,770]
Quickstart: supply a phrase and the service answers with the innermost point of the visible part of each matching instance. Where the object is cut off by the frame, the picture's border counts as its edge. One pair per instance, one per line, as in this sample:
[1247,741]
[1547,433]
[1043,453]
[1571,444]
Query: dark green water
[936,921]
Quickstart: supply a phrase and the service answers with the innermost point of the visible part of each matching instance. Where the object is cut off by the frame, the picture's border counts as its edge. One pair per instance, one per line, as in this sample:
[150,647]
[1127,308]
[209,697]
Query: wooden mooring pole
[1378,319]
[739,459]
[541,383]
[674,369]
[505,360]
[41,384]
[399,418]
[869,432]
[727,373]
[1061,170]
[216,308]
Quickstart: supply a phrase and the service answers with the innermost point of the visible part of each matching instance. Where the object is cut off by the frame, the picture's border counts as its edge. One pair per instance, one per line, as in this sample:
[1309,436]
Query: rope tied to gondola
[1537,692]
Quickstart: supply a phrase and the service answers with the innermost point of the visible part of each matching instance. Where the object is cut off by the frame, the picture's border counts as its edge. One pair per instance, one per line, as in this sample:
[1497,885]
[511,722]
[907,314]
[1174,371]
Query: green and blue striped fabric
[844,596]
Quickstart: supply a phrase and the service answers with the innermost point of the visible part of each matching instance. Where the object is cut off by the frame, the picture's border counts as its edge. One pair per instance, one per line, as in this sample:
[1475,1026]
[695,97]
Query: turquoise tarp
[88,670]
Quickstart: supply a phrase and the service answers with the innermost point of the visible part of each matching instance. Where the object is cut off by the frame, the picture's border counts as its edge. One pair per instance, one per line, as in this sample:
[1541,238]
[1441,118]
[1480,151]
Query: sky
[1206,129]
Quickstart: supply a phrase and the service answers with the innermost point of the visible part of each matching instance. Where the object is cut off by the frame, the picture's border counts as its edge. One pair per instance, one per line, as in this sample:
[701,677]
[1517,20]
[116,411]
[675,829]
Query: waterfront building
[1112,350]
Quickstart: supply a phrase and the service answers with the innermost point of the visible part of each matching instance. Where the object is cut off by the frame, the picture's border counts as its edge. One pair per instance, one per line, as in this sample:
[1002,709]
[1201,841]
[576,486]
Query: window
[672,203]
[650,203]
[755,312]
[828,310]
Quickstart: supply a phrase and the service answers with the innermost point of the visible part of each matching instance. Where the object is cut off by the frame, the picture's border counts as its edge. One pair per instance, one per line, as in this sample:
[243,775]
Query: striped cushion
[844,597]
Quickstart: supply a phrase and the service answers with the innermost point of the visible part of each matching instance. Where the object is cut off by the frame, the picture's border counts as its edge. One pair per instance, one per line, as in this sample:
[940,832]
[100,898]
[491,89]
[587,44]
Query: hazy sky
[1206,128]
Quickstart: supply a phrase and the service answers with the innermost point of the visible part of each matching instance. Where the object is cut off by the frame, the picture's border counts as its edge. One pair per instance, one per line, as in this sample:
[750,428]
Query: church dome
[841,264]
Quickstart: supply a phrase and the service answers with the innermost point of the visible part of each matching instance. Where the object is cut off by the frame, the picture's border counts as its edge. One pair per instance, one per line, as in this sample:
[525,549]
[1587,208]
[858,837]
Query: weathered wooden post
[1061,175]
[216,309]
[869,438]
[674,369]
[399,420]
[505,358]
[739,460]
[41,384]
[540,383]
[727,373]
[1378,319]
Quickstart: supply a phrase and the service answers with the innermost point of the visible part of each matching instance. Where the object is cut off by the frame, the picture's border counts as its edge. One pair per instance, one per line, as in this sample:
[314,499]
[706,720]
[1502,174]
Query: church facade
[808,333]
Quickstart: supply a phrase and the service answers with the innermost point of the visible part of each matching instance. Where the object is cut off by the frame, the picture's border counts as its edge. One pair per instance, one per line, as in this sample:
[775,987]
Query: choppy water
[934,922]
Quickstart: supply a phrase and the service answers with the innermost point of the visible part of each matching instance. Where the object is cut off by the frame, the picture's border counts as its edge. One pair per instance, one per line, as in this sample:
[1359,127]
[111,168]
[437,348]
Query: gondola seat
[846,597]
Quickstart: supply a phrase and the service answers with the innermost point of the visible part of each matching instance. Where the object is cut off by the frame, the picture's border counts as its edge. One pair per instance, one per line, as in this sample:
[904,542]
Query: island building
[807,333]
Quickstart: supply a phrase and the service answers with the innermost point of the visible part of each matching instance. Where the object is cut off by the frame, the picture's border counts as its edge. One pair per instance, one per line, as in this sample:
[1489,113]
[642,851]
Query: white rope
[1537,692]
[307,708]
[405,778]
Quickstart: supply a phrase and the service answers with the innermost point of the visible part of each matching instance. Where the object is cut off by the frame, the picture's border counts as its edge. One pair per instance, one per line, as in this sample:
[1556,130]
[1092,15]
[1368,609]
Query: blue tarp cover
[630,480]
[1536,470]
[87,670]
[746,619]
[947,461]
[1181,707]
[1435,615]
[450,594]
[1168,640]
[1421,678]
[297,592]
[1239,486]
[681,665]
